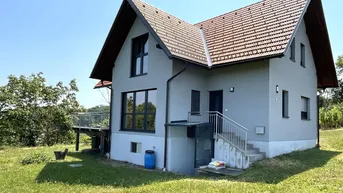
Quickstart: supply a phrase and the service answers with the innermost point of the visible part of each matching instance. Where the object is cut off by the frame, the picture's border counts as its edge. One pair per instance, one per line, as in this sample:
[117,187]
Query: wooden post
[102,144]
[77,141]
[318,125]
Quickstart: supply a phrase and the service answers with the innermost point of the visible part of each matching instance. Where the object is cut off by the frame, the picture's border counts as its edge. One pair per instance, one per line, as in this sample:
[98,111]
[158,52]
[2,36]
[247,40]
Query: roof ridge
[166,13]
[229,12]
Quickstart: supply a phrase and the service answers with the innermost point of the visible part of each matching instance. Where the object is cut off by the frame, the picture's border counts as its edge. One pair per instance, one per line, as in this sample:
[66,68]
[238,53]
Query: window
[140,47]
[285,104]
[195,102]
[136,147]
[139,111]
[302,61]
[305,108]
[293,51]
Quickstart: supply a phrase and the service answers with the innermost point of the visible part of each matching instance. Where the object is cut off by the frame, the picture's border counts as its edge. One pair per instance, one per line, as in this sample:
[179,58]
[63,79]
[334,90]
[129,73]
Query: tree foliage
[331,102]
[33,113]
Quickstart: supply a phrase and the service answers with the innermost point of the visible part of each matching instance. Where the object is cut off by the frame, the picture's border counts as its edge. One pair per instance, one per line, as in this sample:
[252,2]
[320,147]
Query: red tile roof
[258,30]
[181,38]
[102,84]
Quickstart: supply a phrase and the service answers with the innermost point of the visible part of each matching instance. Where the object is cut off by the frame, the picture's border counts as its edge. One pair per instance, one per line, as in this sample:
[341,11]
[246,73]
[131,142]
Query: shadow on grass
[269,171]
[276,170]
[96,174]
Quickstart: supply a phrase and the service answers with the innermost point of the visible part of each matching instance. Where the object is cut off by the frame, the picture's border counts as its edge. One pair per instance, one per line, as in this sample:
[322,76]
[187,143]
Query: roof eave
[278,55]
[296,27]
[107,40]
[150,29]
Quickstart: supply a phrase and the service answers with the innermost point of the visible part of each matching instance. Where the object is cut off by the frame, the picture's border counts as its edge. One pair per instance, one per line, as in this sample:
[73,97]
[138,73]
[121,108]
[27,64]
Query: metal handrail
[91,119]
[224,127]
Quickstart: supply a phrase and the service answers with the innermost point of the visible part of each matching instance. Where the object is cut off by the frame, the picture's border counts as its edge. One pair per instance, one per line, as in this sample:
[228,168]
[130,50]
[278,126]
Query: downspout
[318,125]
[110,123]
[167,118]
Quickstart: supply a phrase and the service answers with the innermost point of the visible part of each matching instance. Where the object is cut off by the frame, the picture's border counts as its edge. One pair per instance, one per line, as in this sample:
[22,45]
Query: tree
[99,109]
[33,113]
[337,93]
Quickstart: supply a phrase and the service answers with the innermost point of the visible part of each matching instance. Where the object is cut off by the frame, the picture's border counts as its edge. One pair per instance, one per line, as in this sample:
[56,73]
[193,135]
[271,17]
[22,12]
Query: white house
[237,87]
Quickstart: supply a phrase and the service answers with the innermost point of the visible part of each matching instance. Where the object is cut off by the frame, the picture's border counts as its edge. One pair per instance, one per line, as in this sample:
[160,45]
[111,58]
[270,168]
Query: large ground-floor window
[139,111]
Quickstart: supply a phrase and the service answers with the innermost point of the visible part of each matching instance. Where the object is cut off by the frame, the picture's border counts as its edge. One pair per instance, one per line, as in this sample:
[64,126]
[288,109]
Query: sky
[63,38]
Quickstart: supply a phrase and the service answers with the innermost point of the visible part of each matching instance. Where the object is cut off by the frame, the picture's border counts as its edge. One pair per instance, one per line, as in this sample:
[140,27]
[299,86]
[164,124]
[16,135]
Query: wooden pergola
[101,133]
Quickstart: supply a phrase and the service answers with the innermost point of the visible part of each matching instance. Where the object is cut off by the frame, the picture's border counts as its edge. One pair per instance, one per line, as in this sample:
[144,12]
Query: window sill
[306,119]
[285,117]
[137,131]
[293,60]
[138,75]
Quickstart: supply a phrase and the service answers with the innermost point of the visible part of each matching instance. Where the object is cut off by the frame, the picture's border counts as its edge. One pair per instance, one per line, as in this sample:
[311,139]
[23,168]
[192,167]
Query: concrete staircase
[254,154]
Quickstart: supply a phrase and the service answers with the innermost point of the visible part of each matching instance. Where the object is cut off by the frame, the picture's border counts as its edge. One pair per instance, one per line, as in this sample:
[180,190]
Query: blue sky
[63,38]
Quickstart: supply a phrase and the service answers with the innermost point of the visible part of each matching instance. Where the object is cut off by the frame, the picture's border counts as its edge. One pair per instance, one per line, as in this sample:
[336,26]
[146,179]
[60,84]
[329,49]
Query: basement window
[305,108]
[302,61]
[292,57]
[136,147]
[139,62]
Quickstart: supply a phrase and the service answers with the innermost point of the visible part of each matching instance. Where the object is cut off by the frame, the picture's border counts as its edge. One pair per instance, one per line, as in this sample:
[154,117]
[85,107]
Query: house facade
[260,88]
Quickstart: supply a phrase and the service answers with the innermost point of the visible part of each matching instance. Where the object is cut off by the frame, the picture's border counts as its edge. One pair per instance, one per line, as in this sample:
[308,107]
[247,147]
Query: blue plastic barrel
[149,159]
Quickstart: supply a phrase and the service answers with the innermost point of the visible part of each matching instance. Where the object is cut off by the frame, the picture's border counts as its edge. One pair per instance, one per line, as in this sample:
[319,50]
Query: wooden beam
[77,141]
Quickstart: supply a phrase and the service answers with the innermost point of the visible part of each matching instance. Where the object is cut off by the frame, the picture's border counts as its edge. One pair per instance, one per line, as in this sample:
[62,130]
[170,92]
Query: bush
[331,117]
[35,158]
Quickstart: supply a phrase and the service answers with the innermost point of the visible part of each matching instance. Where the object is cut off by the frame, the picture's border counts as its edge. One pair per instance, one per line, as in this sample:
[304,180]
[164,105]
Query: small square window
[292,57]
[302,61]
[285,104]
[136,147]
[305,108]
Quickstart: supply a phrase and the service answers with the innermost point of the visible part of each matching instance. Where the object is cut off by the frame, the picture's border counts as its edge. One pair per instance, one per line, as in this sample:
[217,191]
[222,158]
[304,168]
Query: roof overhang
[121,27]
[114,42]
[318,35]
[314,20]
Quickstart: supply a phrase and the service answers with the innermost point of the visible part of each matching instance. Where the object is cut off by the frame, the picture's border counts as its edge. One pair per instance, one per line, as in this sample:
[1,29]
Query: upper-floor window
[140,47]
[195,102]
[302,59]
[139,111]
[292,57]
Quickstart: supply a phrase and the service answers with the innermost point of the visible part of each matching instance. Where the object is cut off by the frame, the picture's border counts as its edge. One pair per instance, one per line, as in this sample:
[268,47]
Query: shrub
[35,158]
[331,117]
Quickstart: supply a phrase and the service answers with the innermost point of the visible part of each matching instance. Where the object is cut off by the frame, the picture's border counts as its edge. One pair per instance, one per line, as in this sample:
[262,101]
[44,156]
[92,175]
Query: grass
[308,171]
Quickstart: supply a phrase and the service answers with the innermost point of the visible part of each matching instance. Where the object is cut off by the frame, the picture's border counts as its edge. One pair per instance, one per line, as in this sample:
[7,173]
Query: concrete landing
[204,170]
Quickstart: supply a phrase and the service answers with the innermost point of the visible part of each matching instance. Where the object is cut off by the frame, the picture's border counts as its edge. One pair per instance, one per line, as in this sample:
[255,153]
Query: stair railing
[223,127]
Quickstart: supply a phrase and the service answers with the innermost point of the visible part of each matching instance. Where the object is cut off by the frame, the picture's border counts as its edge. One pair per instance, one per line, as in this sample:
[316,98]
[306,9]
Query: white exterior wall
[248,104]
[253,103]
[180,158]
[293,133]
[194,78]
[159,71]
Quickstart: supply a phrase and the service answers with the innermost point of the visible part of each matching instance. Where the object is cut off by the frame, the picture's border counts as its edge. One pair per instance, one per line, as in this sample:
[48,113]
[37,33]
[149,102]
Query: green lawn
[309,171]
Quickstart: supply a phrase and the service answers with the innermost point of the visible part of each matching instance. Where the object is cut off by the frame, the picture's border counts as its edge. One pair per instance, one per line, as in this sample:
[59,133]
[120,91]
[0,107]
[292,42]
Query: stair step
[253,151]
[255,157]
